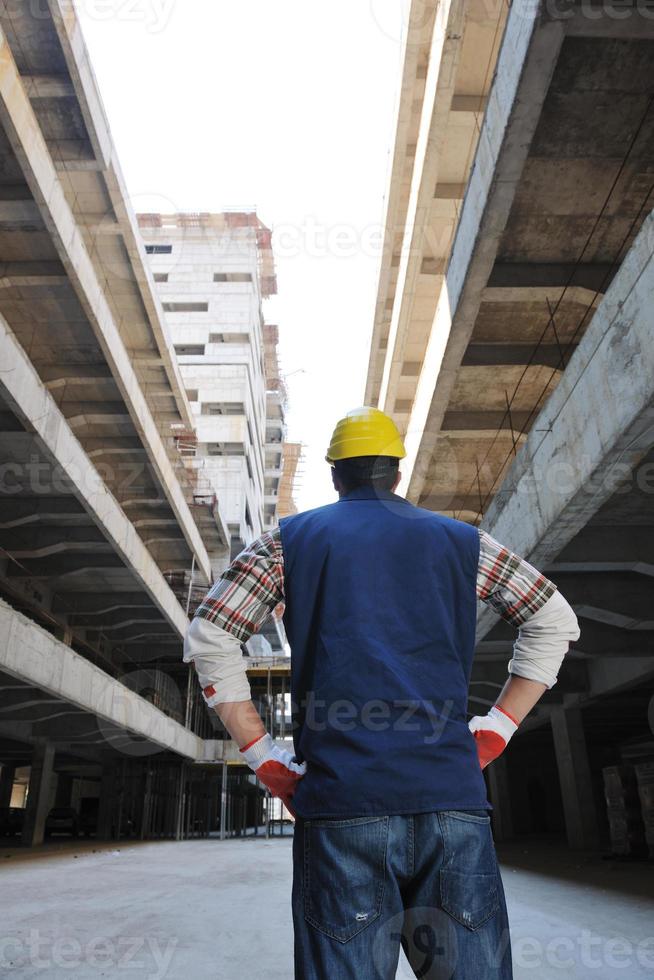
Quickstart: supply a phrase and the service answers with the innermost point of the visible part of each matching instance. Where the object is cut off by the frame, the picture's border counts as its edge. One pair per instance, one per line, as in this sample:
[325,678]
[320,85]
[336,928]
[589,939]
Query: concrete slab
[210,909]
[30,148]
[32,655]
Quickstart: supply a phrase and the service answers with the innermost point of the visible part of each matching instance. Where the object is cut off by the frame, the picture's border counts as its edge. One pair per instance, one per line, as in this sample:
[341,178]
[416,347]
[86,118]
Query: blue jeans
[430,882]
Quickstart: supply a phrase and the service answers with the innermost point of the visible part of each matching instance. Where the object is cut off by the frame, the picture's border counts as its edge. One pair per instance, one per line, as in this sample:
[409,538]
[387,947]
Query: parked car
[62,820]
[11,821]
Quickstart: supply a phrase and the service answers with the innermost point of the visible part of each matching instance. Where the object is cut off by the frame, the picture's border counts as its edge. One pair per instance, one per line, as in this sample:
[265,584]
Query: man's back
[380,614]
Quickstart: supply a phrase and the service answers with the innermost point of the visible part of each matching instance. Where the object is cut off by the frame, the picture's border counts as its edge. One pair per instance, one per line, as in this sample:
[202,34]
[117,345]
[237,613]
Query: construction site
[144,444]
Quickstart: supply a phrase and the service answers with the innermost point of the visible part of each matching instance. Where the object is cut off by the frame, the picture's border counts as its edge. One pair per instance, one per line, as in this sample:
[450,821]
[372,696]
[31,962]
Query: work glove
[275,767]
[492,733]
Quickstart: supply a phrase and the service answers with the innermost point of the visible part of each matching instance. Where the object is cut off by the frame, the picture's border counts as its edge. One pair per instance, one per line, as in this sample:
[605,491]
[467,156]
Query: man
[392,840]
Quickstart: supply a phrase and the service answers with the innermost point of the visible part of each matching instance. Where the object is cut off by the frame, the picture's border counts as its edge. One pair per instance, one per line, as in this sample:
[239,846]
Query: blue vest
[380,615]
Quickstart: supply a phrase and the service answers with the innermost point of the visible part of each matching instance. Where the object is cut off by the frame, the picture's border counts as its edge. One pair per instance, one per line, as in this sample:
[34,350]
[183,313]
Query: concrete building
[513,341]
[212,272]
[107,524]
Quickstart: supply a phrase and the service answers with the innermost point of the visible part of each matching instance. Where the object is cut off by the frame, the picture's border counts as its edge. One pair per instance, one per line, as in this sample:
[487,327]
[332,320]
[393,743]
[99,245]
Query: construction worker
[392,840]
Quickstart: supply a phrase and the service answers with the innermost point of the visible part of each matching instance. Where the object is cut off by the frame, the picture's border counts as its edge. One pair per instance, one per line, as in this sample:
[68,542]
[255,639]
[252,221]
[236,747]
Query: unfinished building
[107,528]
[513,346]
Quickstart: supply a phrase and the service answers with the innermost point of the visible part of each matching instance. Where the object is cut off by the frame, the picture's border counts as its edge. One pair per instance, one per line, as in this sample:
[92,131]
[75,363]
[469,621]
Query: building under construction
[512,345]
[132,466]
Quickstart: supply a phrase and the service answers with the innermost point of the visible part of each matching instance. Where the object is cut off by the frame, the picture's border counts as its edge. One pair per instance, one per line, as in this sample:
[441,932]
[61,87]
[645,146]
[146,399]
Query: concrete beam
[610,543]
[85,165]
[451,502]
[607,20]
[28,144]
[492,355]
[593,276]
[21,512]
[485,422]
[48,86]
[610,676]
[100,225]
[603,638]
[36,409]
[416,47]
[32,273]
[523,73]
[116,620]
[68,29]
[612,618]
[79,374]
[20,216]
[599,420]
[444,58]
[44,542]
[605,567]
[469,103]
[68,728]
[91,605]
[58,567]
[35,657]
[625,596]
[89,419]
[450,192]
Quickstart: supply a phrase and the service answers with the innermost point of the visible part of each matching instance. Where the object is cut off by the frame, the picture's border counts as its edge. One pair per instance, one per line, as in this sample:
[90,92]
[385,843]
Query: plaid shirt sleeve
[249,590]
[509,584]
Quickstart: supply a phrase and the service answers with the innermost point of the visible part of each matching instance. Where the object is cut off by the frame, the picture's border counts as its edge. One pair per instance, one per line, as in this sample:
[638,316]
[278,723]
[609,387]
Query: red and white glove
[275,767]
[492,733]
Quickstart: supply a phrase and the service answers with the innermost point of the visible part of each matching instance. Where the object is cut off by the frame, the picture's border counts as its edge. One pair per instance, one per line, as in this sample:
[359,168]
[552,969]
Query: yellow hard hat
[365,432]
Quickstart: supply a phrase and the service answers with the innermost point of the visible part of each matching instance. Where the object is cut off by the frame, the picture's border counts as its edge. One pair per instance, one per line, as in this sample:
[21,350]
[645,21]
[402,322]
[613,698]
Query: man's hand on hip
[275,767]
[492,732]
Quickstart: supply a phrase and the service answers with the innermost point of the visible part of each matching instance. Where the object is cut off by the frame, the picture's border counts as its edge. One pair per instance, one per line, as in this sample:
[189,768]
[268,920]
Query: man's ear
[335,480]
[397,482]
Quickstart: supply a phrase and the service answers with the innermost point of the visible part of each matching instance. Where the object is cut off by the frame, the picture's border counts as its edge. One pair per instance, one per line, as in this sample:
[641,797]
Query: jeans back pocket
[344,874]
[469,877]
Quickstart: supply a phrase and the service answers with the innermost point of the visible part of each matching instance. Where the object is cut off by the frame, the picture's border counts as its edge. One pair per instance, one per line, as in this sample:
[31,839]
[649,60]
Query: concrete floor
[221,910]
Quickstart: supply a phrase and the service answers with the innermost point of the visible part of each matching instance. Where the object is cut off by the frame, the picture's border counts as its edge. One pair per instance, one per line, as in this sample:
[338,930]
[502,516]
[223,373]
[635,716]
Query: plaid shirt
[253,586]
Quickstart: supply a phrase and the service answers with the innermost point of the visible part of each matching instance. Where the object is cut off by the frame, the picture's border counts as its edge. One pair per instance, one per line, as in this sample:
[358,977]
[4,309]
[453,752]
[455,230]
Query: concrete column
[38,797]
[7,775]
[223,802]
[574,775]
[106,803]
[180,803]
[498,787]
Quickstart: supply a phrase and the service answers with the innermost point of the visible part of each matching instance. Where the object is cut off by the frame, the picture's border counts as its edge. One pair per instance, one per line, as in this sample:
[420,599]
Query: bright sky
[288,105]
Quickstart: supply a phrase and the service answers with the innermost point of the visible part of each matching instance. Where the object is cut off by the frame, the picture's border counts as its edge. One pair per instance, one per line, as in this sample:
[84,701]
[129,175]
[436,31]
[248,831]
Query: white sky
[288,105]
